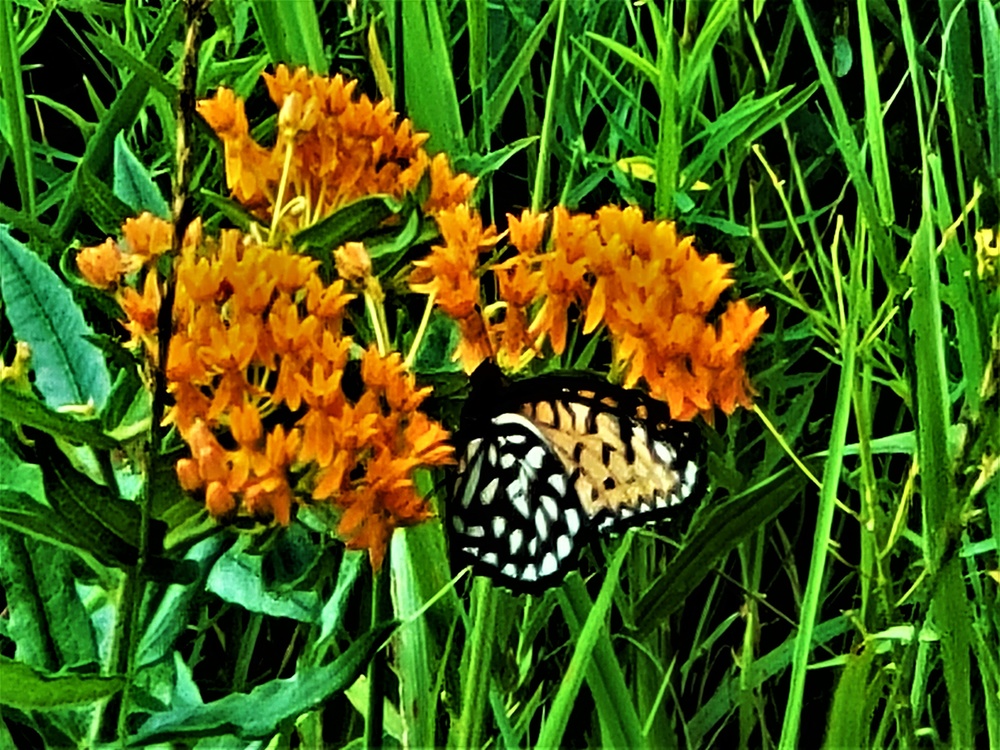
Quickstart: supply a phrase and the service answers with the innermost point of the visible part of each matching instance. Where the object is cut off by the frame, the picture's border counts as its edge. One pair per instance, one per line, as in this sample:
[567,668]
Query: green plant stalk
[873,119]
[381,612]
[604,675]
[668,144]
[593,628]
[544,146]
[12,87]
[851,154]
[475,688]
[824,523]
[247,643]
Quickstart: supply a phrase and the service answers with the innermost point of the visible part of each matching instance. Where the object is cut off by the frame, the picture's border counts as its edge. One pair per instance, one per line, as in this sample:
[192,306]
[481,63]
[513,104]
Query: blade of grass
[824,524]
[12,88]
[851,154]
[476,683]
[873,118]
[604,675]
[593,628]
[544,146]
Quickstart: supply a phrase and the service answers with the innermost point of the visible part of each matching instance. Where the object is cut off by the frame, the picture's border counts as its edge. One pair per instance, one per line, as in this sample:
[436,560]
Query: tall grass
[839,584]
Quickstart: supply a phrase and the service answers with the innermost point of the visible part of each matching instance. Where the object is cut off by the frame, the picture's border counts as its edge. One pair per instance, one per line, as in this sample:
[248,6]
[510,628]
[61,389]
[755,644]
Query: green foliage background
[839,584]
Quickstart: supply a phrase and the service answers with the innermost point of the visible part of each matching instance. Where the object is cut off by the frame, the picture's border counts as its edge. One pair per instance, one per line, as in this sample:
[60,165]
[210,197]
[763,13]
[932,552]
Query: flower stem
[421,330]
[381,611]
[475,687]
[541,170]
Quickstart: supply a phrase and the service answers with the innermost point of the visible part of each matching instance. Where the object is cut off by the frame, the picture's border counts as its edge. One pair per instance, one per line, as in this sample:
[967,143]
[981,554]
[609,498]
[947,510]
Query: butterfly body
[547,463]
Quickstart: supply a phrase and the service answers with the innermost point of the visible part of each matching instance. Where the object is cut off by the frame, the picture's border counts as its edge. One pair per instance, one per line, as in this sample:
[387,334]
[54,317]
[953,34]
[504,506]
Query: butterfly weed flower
[255,368]
[449,276]
[646,285]
[332,147]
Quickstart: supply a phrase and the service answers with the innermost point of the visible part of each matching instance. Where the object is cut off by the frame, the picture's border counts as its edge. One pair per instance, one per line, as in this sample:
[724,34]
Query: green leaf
[292,34]
[68,368]
[431,98]
[170,605]
[593,629]
[133,183]
[38,690]
[27,410]
[104,208]
[236,578]
[714,532]
[500,98]
[849,722]
[260,713]
[231,209]
[48,621]
[350,223]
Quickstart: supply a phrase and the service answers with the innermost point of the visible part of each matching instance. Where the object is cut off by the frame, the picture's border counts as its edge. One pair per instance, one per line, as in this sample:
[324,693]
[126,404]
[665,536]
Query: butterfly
[548,463]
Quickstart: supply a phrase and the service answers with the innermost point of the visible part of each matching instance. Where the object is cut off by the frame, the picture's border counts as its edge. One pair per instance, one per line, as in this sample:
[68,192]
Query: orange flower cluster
[648,286]
[331,148]
[255,365]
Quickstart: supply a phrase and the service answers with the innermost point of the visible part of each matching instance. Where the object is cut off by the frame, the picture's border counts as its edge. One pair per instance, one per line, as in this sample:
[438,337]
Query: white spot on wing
[476,531]
[492,456]
[690,475]
[558,483]
[563,546]
[507,460]
[572,520]
[517,439]
[664,452]
[509,570]
[551,506]
[530,573]
[518,494]
[458,524]
[486,497]
[490,558]
[516,540]
[535,457]
[549,564]
[542,524]
[499,526]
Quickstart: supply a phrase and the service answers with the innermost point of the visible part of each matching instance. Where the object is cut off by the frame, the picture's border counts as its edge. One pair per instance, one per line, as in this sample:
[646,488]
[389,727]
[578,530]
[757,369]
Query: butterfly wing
[514,516]
[558,460]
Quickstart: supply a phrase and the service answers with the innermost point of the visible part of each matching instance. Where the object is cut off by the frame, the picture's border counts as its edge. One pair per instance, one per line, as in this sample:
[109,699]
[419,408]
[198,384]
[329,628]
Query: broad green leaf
[31,690]
[48,621]
[258,714]
[69,370]
[133,183]
[849,724]
[714,532]
[236,578]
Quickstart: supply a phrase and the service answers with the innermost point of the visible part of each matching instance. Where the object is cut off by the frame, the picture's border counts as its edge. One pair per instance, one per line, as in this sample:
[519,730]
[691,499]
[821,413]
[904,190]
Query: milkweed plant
[241,315]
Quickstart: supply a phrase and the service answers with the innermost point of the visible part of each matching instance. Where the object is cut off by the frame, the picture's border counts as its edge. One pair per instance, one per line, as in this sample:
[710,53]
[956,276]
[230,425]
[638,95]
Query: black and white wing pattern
[546,463]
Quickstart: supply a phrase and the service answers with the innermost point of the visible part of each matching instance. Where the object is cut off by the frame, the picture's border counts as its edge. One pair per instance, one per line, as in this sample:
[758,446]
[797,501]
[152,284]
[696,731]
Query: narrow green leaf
[133,183]
[12,88]
[27,410]
[68,368]
[594,628]
[291,33]
[120,115]
[628,55]
[496,105]
[40,691]
[86,128]
[715,531]
[350,223]
[431,98]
